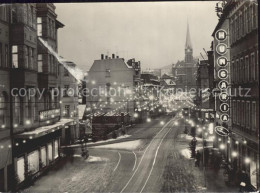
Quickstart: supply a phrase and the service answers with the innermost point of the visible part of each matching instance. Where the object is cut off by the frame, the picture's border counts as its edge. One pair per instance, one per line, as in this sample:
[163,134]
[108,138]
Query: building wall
[245,71]
[5,140]
[114,75]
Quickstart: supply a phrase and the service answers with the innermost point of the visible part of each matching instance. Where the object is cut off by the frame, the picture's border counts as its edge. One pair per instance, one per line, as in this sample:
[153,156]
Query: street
[153,165]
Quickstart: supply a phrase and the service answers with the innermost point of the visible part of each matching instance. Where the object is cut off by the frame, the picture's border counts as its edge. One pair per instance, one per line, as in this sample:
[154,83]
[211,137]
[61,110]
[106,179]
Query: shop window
[33,161]
[43,156]
[20,169]
[56,149]
[15,53]
[50,152]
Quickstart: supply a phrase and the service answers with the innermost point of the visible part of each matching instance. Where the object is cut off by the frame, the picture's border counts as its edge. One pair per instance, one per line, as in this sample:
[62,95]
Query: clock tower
[188,47]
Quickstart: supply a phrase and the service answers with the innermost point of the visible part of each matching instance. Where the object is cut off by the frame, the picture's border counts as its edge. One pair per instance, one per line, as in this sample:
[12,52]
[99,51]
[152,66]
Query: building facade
[240,21]
[112,84]
[30,93]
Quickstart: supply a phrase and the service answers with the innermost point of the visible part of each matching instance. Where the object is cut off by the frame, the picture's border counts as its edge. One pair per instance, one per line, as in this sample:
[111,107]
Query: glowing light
[222,146]
[234,154]
[17,144]
[30,137]
[24,141]
[3,126]
[60,102]
[9,146]
[135,115]
[219,139]
[199,130]
[176,123]
[28,122]
[93,82]
[162,122]
[148,119]
[247,160]
[237,142]
[245,142]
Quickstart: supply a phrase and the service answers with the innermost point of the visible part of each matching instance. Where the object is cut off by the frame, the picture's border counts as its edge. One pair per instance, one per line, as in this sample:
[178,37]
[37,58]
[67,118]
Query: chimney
[102,56]
[113,56]
[106,57]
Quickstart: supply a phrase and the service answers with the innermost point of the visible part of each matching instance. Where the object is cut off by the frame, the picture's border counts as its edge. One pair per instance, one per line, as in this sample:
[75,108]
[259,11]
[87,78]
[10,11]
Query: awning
[41,131]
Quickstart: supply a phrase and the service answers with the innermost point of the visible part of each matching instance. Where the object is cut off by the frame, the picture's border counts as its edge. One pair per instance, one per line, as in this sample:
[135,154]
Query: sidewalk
[215,180]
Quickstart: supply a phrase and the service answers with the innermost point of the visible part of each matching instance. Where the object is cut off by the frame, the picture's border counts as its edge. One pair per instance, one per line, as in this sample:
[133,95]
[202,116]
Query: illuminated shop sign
[49,114]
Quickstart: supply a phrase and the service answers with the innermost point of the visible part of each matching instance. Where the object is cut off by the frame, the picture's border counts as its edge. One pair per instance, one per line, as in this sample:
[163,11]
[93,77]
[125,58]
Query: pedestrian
[198,156]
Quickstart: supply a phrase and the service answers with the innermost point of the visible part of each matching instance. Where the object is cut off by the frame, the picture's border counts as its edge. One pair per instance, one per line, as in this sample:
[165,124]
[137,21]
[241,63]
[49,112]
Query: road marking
[143,157]
[135,160]
[154,160]
[118,161]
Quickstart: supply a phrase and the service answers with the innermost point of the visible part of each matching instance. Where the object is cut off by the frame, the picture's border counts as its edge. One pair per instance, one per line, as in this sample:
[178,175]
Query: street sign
[222,131]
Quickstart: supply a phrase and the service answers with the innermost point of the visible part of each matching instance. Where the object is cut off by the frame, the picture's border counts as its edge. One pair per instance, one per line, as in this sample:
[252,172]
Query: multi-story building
[239,20]
[5,140]
[69,102]
[112,85]
[205,83]
[30,92]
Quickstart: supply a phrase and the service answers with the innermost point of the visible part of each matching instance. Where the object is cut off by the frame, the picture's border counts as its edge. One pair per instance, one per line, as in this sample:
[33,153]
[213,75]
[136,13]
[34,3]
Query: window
[257,65]
[243,113]
[235,111]
[66,88]
[254,118]
[39,26]
[31,58]
[253,68]
[1,55]
[242,23]
[245,21]
[247,69]
[238,112]
[15,57]
[31,107]
[249,19]
[39,62]
[67,111]
[6,56]
[3,108]
[237,70]
[247,114]
[233,71]
[17,110]
[26,57]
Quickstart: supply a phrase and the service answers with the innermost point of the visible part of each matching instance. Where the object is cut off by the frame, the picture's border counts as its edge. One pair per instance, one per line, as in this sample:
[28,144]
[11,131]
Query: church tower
[188,47]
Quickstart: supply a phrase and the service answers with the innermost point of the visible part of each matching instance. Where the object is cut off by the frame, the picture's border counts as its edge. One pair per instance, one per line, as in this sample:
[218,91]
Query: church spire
[188,40]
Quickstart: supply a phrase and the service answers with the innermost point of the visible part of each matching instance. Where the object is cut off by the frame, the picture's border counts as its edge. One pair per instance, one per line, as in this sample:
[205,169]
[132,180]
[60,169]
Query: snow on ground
[103,141]
[128,145]
[188,137]
[94,159]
